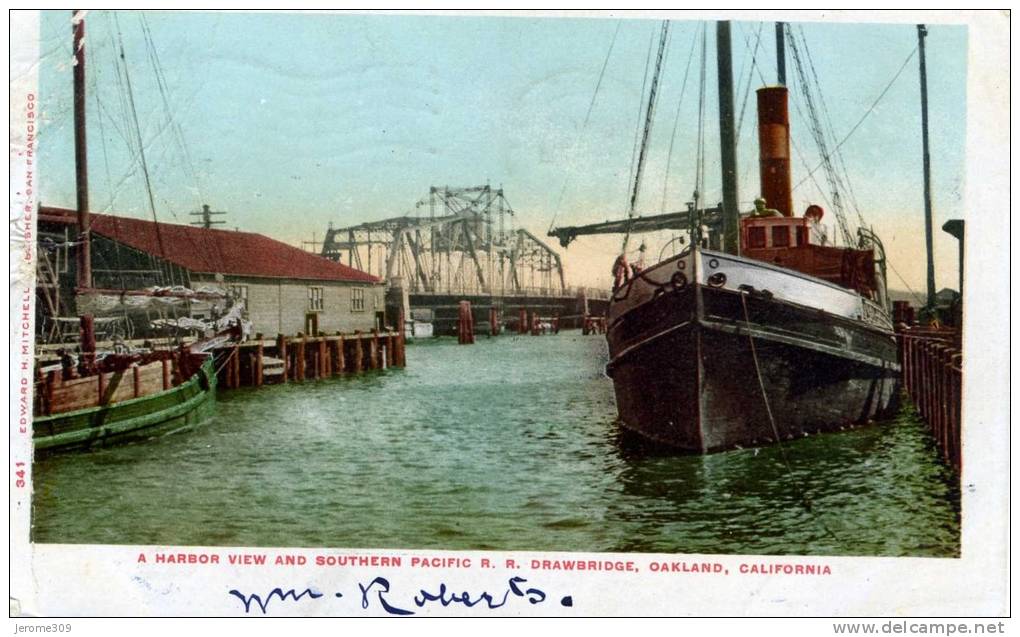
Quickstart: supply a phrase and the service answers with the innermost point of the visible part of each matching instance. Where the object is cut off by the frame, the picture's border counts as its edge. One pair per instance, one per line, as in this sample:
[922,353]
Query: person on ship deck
[761,211]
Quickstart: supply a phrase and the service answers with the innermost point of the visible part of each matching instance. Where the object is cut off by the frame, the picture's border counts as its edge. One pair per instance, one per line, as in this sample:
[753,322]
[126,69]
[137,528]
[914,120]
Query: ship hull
[704,368]
[180,407]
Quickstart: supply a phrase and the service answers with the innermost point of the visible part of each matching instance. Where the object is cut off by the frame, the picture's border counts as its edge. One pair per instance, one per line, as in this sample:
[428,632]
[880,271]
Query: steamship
[713,350]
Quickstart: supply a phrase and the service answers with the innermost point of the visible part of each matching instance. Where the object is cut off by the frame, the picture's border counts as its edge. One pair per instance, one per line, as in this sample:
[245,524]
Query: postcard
[512,314]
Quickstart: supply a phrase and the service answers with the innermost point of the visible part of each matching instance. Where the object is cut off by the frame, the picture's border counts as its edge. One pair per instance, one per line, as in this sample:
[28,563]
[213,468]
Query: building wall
[280,306]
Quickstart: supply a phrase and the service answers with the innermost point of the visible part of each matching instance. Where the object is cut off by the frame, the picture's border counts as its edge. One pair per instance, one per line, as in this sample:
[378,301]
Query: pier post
[281,351]
[391,355]
[373,350]
[259,353]
[465,324]
[522,321]
[299,363]
[358,352]
[235,367]
[341,363]
[400,354]
[323,358]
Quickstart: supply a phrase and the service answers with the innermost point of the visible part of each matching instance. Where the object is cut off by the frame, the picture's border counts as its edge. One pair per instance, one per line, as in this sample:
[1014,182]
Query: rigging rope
[699,161]
[141,151]
[161,83]
[676,120]
[750,72]
[649,119]
[641,106]
[584,125]
[867,112]
[815,125]
[804,500]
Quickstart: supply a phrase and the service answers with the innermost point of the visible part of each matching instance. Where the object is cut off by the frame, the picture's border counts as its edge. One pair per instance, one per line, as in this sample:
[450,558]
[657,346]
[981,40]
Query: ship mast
[781,53]
[727,139]
[922,31]
[84,263]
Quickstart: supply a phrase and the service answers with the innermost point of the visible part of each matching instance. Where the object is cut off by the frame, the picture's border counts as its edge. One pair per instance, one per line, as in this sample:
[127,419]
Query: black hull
[685,375]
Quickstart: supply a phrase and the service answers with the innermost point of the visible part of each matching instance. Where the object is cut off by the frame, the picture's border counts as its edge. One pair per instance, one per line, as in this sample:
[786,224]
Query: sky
[291,121]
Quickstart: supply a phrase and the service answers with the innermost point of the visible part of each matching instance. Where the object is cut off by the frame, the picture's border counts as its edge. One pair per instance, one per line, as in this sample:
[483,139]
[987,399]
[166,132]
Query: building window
[239,293]
[357,299]
[314,299]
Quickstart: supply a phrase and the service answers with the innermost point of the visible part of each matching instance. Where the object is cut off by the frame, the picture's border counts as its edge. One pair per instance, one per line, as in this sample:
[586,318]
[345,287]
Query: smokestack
[774,149]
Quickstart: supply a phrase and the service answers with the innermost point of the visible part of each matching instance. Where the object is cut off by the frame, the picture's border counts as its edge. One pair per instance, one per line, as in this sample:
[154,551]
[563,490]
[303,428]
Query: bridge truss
[457,241]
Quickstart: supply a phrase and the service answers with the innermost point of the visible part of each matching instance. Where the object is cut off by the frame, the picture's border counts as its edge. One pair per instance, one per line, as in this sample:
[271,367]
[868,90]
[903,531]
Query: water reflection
[509,444]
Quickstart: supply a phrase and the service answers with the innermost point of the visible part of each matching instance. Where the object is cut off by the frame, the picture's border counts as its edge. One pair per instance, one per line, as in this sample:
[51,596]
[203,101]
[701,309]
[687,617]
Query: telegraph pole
[206,214]
[922,31]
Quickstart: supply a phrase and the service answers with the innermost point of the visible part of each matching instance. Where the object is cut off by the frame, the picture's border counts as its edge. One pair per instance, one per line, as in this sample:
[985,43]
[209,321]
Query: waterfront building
[285,290]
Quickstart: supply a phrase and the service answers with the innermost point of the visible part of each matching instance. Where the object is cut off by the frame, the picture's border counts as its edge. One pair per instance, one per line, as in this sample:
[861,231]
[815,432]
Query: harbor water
[508,444]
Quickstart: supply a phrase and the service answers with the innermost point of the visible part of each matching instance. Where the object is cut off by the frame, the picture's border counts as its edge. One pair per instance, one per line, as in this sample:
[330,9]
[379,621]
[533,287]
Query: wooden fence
[932,363]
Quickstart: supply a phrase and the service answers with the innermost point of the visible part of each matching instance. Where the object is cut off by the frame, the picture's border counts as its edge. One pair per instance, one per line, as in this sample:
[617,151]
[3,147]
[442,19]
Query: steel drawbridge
[460,244]
[457,241]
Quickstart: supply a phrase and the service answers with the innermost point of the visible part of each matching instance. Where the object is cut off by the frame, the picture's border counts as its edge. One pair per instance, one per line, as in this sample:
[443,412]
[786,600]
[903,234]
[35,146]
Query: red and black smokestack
[774,148]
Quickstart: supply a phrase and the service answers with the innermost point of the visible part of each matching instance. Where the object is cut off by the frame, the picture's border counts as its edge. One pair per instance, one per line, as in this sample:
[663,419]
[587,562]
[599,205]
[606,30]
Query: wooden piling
[299,359]
[391,344]
[136,381]
[358,353]
[373,350]
[281,352]
[341,364]
[930,367]
[465,324]
[399,354]
[235,366]
[259,354]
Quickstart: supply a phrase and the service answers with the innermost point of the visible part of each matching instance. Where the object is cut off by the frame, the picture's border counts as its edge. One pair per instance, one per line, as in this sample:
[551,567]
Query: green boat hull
[180,407]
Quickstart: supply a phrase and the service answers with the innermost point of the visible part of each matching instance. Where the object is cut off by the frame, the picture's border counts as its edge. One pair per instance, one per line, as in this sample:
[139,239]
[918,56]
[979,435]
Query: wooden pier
[932,363]
[299,358]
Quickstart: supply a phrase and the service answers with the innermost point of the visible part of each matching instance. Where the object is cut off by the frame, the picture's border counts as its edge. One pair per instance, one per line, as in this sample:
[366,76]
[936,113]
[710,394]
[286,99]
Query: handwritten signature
[516,589]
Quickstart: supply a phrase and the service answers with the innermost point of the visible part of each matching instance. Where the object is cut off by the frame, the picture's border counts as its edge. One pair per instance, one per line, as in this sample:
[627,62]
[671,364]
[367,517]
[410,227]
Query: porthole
[717,280]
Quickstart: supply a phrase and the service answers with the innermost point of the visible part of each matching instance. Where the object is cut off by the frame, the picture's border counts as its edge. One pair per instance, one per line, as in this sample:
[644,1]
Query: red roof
[215,251]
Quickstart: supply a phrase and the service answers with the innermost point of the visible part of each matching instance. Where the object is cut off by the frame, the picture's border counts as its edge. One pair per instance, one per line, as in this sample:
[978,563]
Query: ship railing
[932,366]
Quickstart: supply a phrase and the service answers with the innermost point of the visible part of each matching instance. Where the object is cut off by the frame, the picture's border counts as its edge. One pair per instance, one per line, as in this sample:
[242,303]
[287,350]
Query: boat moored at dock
[711,351]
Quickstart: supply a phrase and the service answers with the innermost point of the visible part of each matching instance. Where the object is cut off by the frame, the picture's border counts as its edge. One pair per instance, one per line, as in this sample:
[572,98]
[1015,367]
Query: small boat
[130,403]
